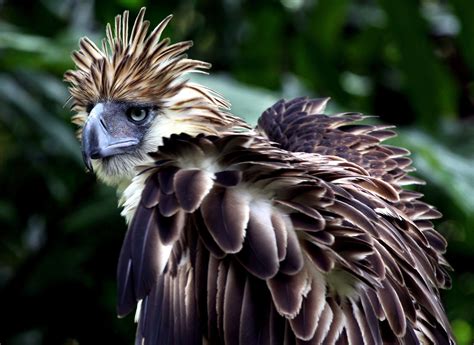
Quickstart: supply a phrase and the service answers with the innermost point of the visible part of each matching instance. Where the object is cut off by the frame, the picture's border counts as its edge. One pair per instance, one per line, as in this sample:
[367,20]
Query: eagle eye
[137,115]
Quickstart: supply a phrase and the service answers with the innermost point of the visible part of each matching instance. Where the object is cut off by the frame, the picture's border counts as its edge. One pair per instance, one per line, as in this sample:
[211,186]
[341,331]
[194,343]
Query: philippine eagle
[297,231]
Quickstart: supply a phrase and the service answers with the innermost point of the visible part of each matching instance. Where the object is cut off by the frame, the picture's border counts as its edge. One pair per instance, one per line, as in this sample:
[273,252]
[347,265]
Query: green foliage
[429,86]
[411,62]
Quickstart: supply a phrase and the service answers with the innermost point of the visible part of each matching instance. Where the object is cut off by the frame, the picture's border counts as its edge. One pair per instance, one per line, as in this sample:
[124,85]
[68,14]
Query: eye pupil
[137,114]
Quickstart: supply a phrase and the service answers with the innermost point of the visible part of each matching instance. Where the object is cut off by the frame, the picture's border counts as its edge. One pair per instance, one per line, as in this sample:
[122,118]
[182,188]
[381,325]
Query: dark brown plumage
[297,232]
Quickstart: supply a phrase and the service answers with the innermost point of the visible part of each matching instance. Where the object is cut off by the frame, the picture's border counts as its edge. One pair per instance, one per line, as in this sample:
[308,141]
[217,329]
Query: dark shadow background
[409,61]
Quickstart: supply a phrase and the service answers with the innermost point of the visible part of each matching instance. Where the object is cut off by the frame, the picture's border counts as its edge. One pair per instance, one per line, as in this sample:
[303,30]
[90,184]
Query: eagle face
[130,94]
[114,138]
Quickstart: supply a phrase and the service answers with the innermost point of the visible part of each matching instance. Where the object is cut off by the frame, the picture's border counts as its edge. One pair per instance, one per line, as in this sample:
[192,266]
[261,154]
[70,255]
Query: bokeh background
[411,62]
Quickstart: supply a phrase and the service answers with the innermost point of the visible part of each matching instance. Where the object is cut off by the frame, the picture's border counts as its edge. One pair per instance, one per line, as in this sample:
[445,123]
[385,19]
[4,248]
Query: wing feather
[226,213]
[259,254]
[191,186]
[233,302]
[392,308]
[279,248]
[254,320]
[288,291]
[305,323]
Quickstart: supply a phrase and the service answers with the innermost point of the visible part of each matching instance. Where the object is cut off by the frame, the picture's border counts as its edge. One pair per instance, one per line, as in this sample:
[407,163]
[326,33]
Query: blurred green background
[409,61]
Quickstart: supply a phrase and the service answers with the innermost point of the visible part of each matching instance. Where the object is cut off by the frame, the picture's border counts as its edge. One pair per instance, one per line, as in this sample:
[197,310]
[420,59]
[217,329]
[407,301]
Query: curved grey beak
[99,142]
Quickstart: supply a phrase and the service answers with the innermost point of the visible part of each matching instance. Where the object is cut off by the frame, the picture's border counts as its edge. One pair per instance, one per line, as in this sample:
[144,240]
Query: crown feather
[134,66]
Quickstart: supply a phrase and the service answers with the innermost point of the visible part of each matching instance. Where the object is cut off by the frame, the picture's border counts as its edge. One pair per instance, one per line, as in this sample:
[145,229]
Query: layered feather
[280,242]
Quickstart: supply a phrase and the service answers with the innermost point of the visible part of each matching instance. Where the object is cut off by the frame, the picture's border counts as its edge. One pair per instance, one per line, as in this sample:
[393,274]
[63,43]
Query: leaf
[52,127]
[429,85]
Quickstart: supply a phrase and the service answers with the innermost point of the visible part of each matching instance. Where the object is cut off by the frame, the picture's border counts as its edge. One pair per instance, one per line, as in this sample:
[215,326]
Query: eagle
[297,231]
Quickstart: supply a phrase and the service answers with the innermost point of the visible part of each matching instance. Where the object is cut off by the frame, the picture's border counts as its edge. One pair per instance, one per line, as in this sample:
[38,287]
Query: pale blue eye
[137,114]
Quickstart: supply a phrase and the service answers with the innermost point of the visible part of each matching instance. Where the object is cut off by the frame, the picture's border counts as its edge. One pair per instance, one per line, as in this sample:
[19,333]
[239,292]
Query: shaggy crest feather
[133,67]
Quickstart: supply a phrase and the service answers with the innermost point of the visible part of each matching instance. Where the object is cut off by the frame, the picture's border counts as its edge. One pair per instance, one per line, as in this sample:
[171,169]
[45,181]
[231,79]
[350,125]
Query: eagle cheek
[99,139]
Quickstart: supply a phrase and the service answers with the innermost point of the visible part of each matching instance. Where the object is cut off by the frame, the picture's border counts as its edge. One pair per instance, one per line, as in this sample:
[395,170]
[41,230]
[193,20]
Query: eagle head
[130,94]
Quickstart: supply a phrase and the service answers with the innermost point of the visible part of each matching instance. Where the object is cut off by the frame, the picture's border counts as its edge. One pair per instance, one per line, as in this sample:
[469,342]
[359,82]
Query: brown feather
[151,193]
[287,292]
[170,227]
[392,308]
[305,323]
[191,186]
[254,320]
[281,234]
[226,212]
[259,254]
[233,301]
[293,261]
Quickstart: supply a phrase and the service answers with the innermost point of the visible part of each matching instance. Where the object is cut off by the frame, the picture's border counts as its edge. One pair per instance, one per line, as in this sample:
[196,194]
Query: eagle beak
[98,142]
